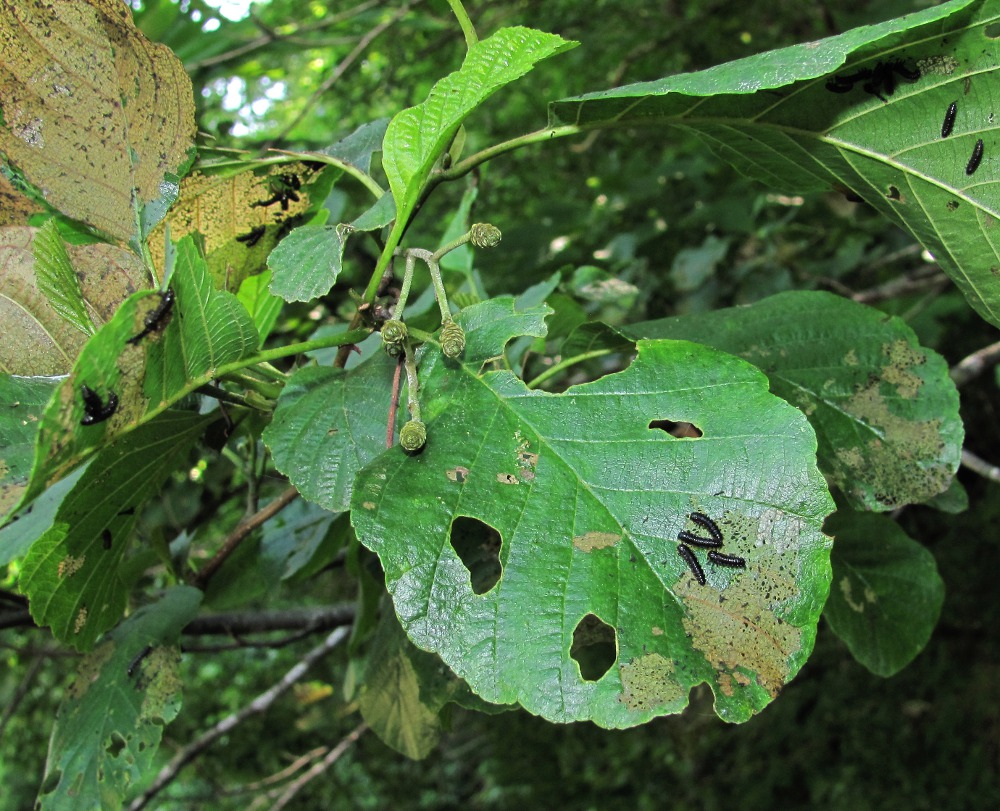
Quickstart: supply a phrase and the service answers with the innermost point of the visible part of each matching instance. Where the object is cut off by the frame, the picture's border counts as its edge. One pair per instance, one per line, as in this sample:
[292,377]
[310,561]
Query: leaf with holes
[588,610]
[94,115]
[862,111]
[111,720]
[887,593]
[884,408]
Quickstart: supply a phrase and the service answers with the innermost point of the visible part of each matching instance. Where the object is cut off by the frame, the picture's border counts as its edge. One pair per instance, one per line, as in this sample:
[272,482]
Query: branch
[975,364]
[342,67]
[236,623]
[980,466]
[318,768]
[236,537]
[259,705]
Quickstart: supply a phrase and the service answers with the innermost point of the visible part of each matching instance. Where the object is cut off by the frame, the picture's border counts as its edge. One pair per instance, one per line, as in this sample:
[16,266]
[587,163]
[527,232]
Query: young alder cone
[452,339]
[413,435]
[393,335]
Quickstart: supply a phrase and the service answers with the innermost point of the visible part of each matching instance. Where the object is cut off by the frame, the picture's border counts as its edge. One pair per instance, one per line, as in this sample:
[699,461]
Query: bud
[413,435]
[484,235]
[452,339]
[393,336]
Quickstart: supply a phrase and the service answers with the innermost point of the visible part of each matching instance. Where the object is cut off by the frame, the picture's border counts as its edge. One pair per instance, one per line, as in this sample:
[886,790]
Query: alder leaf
[94,115]
[111,720]
[862,112]
[884,407]
[533,543]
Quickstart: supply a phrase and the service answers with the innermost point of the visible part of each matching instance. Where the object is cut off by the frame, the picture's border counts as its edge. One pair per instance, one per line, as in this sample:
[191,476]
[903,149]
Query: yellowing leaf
[96,117]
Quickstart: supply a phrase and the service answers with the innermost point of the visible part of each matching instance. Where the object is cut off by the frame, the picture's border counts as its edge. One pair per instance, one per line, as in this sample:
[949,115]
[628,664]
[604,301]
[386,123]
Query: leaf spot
[457,474]
[507,478]
[70,565]
[590,541]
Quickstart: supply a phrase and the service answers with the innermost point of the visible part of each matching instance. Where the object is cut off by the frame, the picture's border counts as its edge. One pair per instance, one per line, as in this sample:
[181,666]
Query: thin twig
[900,286]
[236,623]
[278,777]
[20,692]
[980,466]
[270,36]
[341,68]
[244,528]
[318,768]
[975,364]
[259,705]
[390,430]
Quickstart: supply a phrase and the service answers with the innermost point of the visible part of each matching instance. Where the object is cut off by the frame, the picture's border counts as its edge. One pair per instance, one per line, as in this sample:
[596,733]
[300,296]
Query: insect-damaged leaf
[204,330]
[582,495]
[94,115]
[883,407]
[71,573]
[111,720]
[863,111]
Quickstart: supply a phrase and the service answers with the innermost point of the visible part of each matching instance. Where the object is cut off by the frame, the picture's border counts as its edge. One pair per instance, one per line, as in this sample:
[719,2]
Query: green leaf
[25,398]
[263,306]
[70,574]
[329,424]
[95,115]
[405,689]
[886,595]
[584,494]
[417,136]
[205,330]
[110,723]
[884,408]
[774,117]
[56,279]
[358,147]
[308,261]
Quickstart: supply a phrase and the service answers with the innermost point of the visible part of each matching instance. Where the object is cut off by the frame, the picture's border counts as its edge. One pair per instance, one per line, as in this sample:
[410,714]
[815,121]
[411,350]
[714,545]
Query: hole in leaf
[681,430]
[992,31]
[594,648]
[478,547]
[115,746]
[50,782]
[893,193]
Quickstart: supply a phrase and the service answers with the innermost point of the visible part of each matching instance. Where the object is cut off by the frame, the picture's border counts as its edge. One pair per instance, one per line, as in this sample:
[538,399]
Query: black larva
[106,538]
[154,320]
[703,520]
[949,119]
[252,237]
[697,540]
[977,156]
[94,408]
[720,559]
[685,552]
[135,662]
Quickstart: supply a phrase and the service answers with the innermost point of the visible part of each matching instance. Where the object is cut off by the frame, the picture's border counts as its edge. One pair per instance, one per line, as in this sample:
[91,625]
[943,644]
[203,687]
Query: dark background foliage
[627,202]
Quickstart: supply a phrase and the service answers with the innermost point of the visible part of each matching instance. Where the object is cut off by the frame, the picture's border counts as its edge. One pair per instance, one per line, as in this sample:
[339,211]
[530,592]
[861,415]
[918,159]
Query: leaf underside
[781,118]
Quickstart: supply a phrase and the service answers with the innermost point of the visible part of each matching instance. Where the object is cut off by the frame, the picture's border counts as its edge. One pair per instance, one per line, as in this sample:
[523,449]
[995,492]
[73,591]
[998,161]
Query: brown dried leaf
[96,116]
